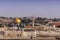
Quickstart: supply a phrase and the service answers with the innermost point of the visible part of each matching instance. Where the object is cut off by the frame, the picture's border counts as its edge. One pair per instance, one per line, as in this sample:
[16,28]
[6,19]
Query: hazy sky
[20,8]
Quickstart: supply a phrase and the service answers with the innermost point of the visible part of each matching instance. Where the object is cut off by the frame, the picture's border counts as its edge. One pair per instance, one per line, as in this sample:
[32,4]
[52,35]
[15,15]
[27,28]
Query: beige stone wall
[12,33]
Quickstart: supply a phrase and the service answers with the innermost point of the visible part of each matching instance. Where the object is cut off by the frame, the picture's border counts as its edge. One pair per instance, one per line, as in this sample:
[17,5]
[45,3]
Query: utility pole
[33,21]
[34,26]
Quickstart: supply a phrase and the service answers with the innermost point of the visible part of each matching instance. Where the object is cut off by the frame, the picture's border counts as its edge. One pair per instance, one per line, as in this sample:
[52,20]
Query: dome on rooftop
[17,20]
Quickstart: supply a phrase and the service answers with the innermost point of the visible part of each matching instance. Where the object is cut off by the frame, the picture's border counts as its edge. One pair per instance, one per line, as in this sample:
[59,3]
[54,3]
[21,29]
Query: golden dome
[17,20]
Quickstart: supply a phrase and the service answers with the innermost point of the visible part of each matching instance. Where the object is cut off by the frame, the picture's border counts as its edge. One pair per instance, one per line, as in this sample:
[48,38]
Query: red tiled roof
[28,27]
[56,23]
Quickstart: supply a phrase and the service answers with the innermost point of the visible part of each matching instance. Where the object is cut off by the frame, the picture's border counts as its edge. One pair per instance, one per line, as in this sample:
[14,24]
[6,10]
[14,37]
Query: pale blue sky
[21,8]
